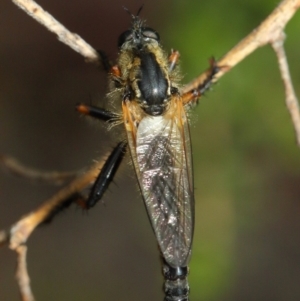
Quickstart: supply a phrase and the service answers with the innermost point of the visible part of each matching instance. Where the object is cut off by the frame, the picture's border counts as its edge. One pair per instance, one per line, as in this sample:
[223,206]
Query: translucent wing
[160,147]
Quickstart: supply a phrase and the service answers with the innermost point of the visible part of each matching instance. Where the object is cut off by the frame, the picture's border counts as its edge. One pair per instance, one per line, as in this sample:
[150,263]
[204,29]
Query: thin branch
[21,231]
[22,275]
[269,30]
[15,167]
[290,96]
[73,40]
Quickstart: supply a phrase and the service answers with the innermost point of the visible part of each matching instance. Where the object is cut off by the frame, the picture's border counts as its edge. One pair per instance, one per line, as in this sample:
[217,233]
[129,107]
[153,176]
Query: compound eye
[124,37]
[149,33]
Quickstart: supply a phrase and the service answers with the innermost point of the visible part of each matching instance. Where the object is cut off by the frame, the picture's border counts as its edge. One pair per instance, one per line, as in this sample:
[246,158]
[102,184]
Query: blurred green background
[247,164]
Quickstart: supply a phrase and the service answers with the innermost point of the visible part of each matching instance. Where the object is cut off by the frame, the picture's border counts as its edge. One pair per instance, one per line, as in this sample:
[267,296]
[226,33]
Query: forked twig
[270,31]
[20,231]
[291,100]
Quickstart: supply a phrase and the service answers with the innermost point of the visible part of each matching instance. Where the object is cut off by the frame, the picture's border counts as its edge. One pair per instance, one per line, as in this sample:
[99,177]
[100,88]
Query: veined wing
[160,146]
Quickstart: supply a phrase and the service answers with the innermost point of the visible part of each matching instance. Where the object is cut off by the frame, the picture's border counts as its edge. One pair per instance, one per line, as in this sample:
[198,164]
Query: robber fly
[145,82]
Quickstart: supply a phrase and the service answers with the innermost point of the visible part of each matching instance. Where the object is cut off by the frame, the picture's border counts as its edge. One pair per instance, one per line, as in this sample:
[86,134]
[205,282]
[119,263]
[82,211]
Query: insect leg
[106,175]
[106,64]
[100,186]
[192,96]
[113,161]
[99,113]
[96,112]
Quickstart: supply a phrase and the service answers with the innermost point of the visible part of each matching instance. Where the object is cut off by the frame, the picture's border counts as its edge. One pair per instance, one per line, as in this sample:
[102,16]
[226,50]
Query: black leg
[96,112]
[100,186]
[106,64]
[106,175]
[192,96]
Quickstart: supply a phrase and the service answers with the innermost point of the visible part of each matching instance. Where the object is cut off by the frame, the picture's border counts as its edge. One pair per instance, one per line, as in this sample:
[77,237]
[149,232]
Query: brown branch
[22,274]
[271,31]
[290,95]
[267,32]
[73,40]
[15,167]
[21,231]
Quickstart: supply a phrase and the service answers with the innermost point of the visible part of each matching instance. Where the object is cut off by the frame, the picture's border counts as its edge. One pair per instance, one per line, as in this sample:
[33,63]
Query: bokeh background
[247,164]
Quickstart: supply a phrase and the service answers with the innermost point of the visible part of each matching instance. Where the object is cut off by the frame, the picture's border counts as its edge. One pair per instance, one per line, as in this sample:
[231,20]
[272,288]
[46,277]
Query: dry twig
[15,167]
[73,40]
[22,274]
[20,231]
[291,100]
[271,31]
